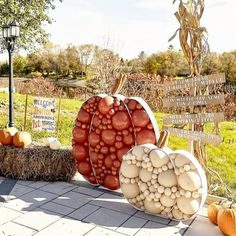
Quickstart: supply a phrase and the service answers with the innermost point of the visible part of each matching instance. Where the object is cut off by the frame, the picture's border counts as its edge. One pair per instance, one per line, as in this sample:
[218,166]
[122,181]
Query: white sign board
[197,81]
[193,118]
[194,135]
[214,99]
[42,114]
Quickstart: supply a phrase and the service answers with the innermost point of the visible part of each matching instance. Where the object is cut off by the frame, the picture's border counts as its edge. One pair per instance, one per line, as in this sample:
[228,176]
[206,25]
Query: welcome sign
[43,114]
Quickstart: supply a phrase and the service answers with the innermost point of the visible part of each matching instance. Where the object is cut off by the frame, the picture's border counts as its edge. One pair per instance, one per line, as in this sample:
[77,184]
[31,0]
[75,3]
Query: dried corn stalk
[193,41]
[193,37]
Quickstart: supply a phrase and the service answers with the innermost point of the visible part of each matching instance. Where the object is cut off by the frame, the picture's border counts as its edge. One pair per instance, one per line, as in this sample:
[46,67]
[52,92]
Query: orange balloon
[109,136]
[80,135]
[84,116]
[105,104]
[79,152]
[94,139]
[111,182]
[121,120]
[145,136]
[140,118]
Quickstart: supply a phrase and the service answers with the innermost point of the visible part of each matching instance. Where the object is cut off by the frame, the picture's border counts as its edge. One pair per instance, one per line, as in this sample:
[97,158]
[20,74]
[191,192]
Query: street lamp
[10,32]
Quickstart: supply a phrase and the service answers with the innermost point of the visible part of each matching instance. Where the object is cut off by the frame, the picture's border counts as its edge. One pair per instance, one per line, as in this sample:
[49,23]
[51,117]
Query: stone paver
[108,200]
[132,225]
[30,200]
[88,191]
[8,215]
[107,218]
[73,199]
[19,190]
[83,211]
[38,184]
[181,225]
[77,208]
[150,217]
[57,208]
[103,231]
[24,182]
[154,229]
[202,226]
[37,219]
[6,186]
[66,227]
[58,187]
[14,229]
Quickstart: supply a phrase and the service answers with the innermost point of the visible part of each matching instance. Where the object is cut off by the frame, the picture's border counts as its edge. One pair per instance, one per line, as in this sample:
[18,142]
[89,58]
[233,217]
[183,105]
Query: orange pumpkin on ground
[226,219]
[106,127]
[22,139]
[6,135]
[212,212]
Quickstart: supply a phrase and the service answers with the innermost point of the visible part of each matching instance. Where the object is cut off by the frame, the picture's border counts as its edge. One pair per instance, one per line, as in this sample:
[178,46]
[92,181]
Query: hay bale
[36,162]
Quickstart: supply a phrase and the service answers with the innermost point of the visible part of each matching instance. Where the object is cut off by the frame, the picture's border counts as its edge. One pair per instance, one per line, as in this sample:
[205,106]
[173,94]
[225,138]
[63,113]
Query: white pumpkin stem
[163,139]
[119,84]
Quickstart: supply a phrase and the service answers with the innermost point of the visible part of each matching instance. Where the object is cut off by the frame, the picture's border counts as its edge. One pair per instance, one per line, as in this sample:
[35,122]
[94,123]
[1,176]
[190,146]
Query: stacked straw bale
[36,162]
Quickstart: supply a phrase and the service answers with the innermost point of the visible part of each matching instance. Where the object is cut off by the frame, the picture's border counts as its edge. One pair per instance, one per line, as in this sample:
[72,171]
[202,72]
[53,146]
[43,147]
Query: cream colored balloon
[130,190]
[129,171]
[158,158]
[167,178]
[181,160]
[150,207]
[167,201]
[190,181]
[145,175]
[138,151]
[177,214]
[188,206]
[143,187]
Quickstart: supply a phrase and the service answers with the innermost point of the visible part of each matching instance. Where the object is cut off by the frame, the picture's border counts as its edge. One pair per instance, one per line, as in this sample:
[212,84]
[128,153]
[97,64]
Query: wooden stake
[26,106]
[59,111]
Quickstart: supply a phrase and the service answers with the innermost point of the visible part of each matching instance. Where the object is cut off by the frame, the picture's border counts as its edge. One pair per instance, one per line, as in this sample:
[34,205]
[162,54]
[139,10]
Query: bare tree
[106,67]
[86,54]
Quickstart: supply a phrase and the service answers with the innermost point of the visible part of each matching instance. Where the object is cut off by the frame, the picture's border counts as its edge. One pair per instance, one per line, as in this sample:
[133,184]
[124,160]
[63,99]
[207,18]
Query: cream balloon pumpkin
[165,182]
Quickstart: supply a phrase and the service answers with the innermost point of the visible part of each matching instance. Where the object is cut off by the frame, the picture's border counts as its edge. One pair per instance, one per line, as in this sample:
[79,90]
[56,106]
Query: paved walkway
[76,208]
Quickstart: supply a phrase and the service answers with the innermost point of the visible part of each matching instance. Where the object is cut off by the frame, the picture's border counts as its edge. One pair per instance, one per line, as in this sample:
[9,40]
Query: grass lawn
[221,158]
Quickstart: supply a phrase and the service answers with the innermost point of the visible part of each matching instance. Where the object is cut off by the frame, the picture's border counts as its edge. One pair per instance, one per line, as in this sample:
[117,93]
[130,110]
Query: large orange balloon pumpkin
[107,127]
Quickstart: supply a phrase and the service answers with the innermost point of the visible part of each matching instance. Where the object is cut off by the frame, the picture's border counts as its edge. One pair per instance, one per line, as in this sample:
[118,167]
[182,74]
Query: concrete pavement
[77,208]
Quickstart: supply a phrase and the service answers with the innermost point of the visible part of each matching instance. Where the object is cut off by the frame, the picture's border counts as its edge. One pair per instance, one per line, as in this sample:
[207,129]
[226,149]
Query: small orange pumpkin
[212,212]
[6,135]
[22,139]
[226,219]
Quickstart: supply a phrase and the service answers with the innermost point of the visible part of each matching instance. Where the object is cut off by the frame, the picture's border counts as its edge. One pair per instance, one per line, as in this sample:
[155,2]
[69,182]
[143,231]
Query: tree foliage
[228,66]
[168,63]
[31,16]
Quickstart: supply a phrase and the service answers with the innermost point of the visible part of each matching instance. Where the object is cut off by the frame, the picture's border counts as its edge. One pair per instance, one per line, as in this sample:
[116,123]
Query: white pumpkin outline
[199,170]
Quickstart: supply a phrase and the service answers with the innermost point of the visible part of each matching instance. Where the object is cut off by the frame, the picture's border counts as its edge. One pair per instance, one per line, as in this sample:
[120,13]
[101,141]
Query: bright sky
[133,26]
[137,25]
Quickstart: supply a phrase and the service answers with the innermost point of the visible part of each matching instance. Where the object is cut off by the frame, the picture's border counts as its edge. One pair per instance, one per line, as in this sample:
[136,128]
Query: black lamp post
[10,32]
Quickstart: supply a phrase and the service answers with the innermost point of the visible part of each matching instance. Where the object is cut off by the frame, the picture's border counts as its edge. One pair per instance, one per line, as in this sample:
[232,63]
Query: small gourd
[6,135]
[22,139]
[226,219]
[55,145]
[46,141]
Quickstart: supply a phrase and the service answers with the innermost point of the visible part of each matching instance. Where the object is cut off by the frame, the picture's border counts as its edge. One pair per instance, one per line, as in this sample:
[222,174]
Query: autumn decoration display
[106,127]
